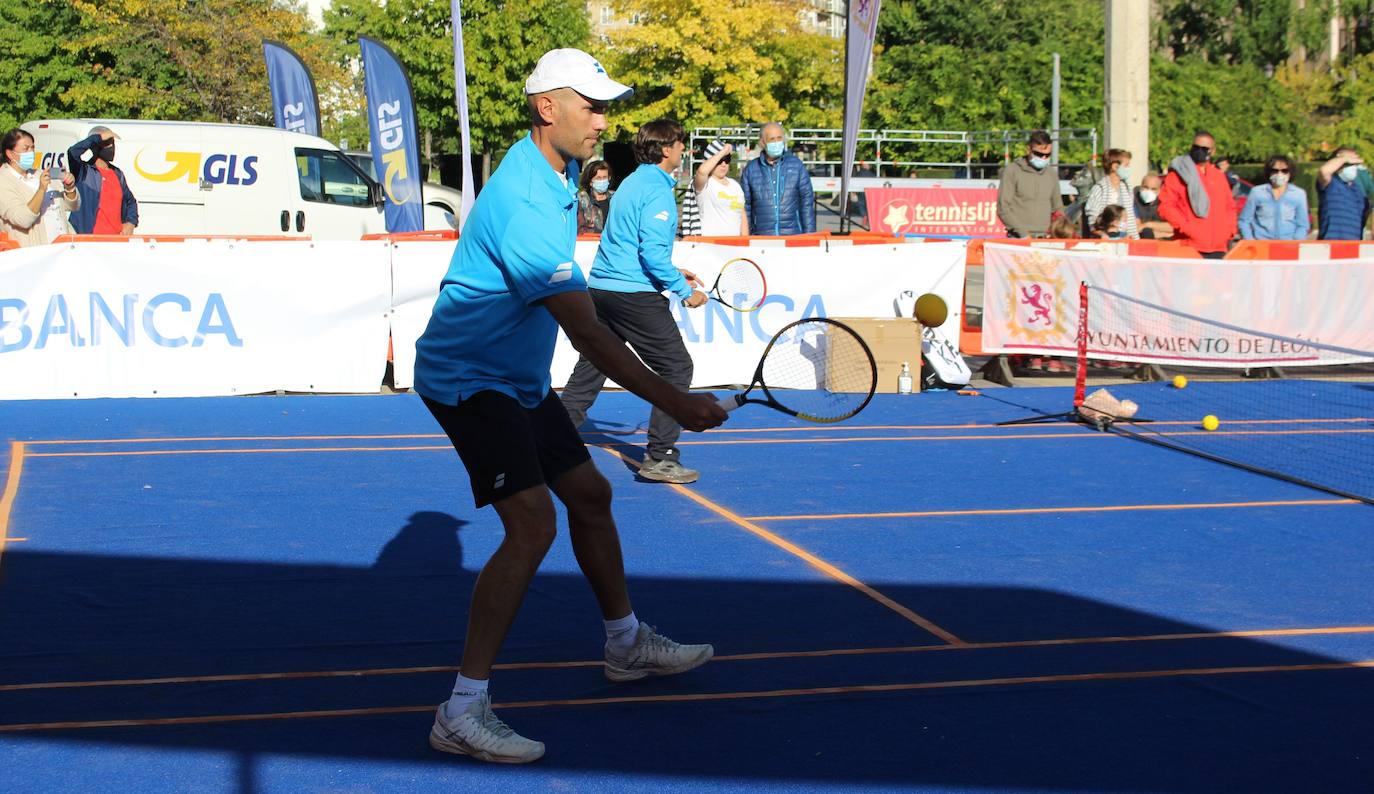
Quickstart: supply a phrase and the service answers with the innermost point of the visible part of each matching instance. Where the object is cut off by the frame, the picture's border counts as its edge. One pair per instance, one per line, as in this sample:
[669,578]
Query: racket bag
[942,367]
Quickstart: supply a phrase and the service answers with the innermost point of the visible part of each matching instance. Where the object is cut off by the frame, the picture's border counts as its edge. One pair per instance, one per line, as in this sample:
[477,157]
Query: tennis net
[1296,409]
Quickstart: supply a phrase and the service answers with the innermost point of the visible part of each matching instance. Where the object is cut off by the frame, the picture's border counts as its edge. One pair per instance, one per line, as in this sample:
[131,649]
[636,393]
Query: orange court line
[11,491]
[235,451]
[736,657]
[857,689]
[637,431]
[1014,511]
[810,559]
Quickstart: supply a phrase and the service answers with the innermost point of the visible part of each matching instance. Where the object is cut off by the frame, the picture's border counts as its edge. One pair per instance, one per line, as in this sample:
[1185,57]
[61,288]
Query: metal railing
[885,153]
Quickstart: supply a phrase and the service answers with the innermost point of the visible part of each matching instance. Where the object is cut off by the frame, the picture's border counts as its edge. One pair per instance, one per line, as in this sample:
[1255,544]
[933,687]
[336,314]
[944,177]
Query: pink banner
[935,211]
[1230,313]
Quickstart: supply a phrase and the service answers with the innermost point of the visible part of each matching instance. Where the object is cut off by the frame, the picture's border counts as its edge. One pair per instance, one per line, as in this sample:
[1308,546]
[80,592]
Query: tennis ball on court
[1180,381]
[1210,422]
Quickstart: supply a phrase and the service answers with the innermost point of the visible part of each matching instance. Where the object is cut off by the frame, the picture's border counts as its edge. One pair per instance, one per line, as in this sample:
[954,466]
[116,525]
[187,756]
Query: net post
[1081,370]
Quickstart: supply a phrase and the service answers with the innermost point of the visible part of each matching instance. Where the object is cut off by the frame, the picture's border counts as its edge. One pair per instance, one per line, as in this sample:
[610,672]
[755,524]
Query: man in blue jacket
[778,198]
[107,205]
[634,265]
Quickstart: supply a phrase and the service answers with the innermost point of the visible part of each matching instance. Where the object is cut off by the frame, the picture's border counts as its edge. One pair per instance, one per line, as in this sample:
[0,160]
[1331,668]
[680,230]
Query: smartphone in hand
[55,173]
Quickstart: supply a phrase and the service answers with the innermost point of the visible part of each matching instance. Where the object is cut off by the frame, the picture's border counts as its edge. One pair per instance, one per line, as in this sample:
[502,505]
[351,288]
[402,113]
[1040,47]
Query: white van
[199,178]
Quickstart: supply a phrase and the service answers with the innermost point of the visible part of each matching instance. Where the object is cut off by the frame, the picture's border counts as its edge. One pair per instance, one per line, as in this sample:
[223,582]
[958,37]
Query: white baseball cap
[575,69]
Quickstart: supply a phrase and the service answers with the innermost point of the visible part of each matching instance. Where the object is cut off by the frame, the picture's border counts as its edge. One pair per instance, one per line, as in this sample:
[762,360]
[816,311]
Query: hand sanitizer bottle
[904,380]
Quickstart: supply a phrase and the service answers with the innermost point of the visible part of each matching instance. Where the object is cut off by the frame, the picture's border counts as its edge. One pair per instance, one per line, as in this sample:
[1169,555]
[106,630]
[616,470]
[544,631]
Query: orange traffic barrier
[1315,250]
[421,235]
[175,238]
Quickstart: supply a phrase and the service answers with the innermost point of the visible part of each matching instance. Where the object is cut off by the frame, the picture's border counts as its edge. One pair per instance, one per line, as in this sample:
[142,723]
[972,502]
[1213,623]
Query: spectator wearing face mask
[1277,210]
[594,197]
[778,198]
[1146,207]
[1113,190]
[720,198]
[1342,205]
[29,196]
[1196,200]
[1028,190]
[107,205]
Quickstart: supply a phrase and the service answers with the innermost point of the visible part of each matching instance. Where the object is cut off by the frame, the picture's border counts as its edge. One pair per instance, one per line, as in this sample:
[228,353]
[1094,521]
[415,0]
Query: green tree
[502,41]
[190,60]
[35,67]
[1250,115]
[707,63]
[955,65]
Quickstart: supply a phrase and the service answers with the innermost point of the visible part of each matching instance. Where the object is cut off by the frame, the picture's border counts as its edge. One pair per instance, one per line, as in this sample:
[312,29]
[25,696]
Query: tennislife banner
[395,136]
[1216,313]
[295,103]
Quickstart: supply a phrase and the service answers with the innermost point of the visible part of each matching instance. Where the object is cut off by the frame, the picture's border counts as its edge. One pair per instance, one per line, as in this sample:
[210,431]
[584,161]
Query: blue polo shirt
[1342,209]
[636,251]
[489,330]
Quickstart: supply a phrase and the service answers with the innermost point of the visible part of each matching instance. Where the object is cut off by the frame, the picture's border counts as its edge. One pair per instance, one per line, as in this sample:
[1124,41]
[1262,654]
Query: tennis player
[482,367]
[634,265]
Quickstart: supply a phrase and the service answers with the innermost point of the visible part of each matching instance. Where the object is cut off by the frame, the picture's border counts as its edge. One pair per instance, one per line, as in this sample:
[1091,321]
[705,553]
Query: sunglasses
[1279,171]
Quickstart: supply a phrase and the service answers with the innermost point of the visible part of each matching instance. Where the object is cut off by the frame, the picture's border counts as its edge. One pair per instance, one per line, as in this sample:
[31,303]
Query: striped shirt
[1103,194]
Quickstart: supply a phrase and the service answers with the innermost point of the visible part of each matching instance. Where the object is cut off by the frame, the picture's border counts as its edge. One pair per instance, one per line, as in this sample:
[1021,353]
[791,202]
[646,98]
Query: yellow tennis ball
[1180,381]
[1210,422]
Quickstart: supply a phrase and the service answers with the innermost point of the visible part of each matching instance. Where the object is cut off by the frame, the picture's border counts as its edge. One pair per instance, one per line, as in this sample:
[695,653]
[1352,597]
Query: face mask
[106,152]
[26,161]
[1348,173]
[1039,163]
[601,185]
[774,148]
[1278,180]
[1116,235]
[1148,196]
[1200,154]
[1123,172]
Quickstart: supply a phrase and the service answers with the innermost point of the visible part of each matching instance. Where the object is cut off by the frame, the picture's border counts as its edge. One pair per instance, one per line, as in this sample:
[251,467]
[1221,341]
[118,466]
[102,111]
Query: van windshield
[331,178]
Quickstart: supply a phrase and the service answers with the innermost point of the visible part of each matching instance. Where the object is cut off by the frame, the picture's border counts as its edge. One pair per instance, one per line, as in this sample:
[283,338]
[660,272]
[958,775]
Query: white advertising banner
[1205,312]
[196,318]
[806,281]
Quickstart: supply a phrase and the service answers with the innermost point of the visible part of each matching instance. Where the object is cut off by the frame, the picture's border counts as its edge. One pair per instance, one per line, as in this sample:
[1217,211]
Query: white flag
[460,88]
[859,36]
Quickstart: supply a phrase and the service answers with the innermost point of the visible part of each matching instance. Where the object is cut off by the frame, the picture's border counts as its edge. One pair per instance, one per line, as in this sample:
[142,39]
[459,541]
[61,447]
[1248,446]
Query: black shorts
[506,447]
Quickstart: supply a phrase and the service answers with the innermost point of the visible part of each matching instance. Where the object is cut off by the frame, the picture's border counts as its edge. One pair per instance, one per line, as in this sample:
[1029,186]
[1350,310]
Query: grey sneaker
[655,654]
[667,471]
[481,734]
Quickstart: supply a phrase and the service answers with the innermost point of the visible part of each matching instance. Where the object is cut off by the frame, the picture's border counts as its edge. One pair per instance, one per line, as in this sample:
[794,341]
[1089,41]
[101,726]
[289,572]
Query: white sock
[621,633]
[466,691]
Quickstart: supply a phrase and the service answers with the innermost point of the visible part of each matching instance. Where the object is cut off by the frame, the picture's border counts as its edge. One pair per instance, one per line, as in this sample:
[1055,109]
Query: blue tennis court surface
[268,594]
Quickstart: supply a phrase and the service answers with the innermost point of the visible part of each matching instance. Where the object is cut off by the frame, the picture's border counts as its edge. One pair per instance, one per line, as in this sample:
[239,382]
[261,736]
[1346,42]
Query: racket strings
[741,285]
[820,370]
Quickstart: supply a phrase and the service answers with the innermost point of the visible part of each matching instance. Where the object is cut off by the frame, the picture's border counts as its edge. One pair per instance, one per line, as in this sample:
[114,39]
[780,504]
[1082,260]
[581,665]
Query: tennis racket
[817,369]
[740,285]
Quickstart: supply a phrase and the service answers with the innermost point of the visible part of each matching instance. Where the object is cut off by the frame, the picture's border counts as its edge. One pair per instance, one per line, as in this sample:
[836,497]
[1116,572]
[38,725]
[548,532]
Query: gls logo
[391,130]
[220,169]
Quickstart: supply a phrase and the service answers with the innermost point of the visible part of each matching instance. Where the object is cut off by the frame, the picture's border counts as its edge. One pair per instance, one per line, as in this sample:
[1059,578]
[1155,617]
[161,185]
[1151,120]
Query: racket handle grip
[730,403]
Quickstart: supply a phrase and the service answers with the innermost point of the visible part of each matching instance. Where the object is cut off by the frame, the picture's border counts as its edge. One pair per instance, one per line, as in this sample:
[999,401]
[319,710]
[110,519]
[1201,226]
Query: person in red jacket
[1196,200]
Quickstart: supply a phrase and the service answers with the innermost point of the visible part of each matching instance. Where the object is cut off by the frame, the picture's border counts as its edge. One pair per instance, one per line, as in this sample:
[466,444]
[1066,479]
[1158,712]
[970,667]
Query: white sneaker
[654,654]
[481,734]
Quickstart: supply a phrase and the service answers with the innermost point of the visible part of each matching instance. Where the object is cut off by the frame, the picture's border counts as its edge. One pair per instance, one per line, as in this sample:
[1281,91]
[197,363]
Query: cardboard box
[892,340]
